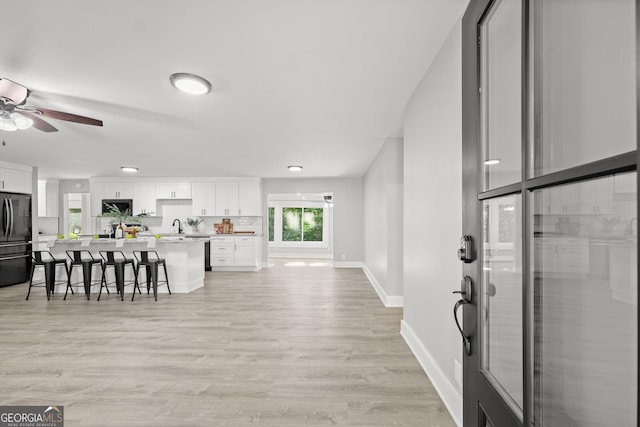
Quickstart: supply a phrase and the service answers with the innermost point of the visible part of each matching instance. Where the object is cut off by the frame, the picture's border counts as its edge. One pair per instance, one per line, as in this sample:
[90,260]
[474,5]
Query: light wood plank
[285,346]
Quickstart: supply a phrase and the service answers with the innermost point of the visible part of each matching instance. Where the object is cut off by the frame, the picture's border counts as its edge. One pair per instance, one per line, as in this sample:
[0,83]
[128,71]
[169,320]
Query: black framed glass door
[550,201]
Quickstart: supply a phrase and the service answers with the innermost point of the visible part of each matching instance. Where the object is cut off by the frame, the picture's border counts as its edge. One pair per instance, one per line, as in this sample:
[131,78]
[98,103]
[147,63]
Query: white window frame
[277,224]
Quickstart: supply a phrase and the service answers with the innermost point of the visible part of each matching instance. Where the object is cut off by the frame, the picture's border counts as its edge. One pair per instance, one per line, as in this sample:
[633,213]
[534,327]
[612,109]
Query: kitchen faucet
[179,225]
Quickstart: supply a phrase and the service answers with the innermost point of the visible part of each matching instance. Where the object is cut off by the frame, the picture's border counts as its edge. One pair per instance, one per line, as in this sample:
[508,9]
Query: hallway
[292,344]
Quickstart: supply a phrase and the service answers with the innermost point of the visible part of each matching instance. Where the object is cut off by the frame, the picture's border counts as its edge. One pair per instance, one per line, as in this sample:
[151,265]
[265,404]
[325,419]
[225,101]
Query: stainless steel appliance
[15,235]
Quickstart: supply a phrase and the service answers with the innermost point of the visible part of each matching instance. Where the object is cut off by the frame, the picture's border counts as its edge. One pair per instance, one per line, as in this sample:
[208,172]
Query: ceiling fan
[15,115]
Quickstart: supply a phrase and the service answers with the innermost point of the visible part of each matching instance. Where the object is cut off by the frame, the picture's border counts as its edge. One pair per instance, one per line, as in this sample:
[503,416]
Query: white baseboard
[387,300]
[347,264]
[299,255]
[449,395]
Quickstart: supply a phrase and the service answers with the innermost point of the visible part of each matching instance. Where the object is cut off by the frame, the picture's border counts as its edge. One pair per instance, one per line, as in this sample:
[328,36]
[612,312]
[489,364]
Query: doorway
[550,194]
[76,219]
[300,225]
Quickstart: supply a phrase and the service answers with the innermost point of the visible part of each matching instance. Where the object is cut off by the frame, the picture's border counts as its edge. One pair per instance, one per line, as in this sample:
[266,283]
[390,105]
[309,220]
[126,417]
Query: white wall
[433,219]
[347,212]
[383,223]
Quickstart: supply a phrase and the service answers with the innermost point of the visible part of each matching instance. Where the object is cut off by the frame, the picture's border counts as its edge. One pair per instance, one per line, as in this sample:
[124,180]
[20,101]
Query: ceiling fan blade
[14,92]
[38,123]
[59,115]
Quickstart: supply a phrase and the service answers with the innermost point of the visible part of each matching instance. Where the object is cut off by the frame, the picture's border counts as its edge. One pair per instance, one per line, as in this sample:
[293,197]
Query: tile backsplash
[169,210]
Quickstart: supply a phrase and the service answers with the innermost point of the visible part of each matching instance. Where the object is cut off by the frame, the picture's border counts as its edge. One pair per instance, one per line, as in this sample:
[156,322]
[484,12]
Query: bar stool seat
[84,259]
[150,260]
[118,261]
[46,260]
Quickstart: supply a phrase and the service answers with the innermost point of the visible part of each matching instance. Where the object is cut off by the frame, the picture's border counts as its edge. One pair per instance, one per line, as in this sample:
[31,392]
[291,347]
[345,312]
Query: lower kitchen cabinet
[234,251]
[246,252]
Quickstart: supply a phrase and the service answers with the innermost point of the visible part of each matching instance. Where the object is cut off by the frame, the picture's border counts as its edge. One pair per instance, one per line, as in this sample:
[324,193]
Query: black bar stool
[46,260]
[84,259]
[118,261]
[150,260]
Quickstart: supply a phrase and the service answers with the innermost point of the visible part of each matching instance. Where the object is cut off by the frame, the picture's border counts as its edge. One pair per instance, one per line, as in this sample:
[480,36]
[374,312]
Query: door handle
[11,212]
[466,341]
[5,218]
[466,293]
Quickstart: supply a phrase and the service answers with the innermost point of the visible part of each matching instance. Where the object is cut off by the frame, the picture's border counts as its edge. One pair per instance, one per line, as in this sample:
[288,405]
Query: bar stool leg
[33,267]
[154,279]
[49,277]
[119,267]
[87,270]
[166,277]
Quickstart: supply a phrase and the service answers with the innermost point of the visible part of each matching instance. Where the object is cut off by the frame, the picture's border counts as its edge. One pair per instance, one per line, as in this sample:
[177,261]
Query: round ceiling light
[129,169]
[190,83]
[294,168]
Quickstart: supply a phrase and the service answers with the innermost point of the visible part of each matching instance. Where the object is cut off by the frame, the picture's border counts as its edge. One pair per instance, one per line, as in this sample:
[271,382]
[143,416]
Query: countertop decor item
[194,223]
[122,217]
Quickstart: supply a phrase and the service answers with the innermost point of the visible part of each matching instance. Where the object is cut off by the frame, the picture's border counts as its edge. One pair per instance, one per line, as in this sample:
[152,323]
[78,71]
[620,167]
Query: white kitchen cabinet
[246,250]
[203,195]
[563,199]
[235,251]
[249,198]
[226,198]
[173,190]
[222,251]
[595,196]
[15,180]
[118,190]
[144,198]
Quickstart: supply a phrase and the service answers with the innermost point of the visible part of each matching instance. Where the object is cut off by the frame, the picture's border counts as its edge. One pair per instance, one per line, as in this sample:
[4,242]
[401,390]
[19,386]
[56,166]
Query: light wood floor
[286,346]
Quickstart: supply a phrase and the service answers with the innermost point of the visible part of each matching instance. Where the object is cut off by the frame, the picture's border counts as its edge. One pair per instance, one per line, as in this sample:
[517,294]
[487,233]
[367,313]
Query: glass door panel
[501,298]
[585,288]
[585,80]
[501,96]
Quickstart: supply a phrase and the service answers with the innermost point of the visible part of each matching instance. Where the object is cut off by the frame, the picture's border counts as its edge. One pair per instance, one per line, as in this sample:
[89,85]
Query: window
[298,224]
[271,223]
[302,224]
[75,220]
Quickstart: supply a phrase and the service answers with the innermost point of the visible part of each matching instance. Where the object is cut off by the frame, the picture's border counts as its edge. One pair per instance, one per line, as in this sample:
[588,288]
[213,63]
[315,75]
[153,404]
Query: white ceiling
[321,83]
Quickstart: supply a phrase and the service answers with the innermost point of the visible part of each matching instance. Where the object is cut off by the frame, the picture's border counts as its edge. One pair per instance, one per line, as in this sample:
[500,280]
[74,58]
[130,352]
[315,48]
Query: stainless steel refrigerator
[15,235]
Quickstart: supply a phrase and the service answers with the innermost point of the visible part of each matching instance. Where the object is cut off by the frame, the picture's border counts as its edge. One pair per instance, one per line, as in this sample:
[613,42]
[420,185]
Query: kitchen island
[184,257]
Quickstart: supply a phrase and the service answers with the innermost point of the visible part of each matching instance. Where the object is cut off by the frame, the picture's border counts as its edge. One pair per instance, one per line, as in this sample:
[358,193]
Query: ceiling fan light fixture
[130,169]
[294,168]
[21,122]
[190,83]
[7,124]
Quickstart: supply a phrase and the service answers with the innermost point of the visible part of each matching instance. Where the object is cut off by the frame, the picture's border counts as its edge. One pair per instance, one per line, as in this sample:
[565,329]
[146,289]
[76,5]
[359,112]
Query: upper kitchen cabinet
[15,179]
[239,198]
[118,190]
[144,198]
[226,198]
[249,198]
[173,190]
[203,195]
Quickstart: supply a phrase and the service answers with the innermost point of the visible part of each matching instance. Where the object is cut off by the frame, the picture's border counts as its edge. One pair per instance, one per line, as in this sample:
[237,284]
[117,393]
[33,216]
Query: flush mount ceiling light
[190,83]
[491,162]
[129,169]
[294,168]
